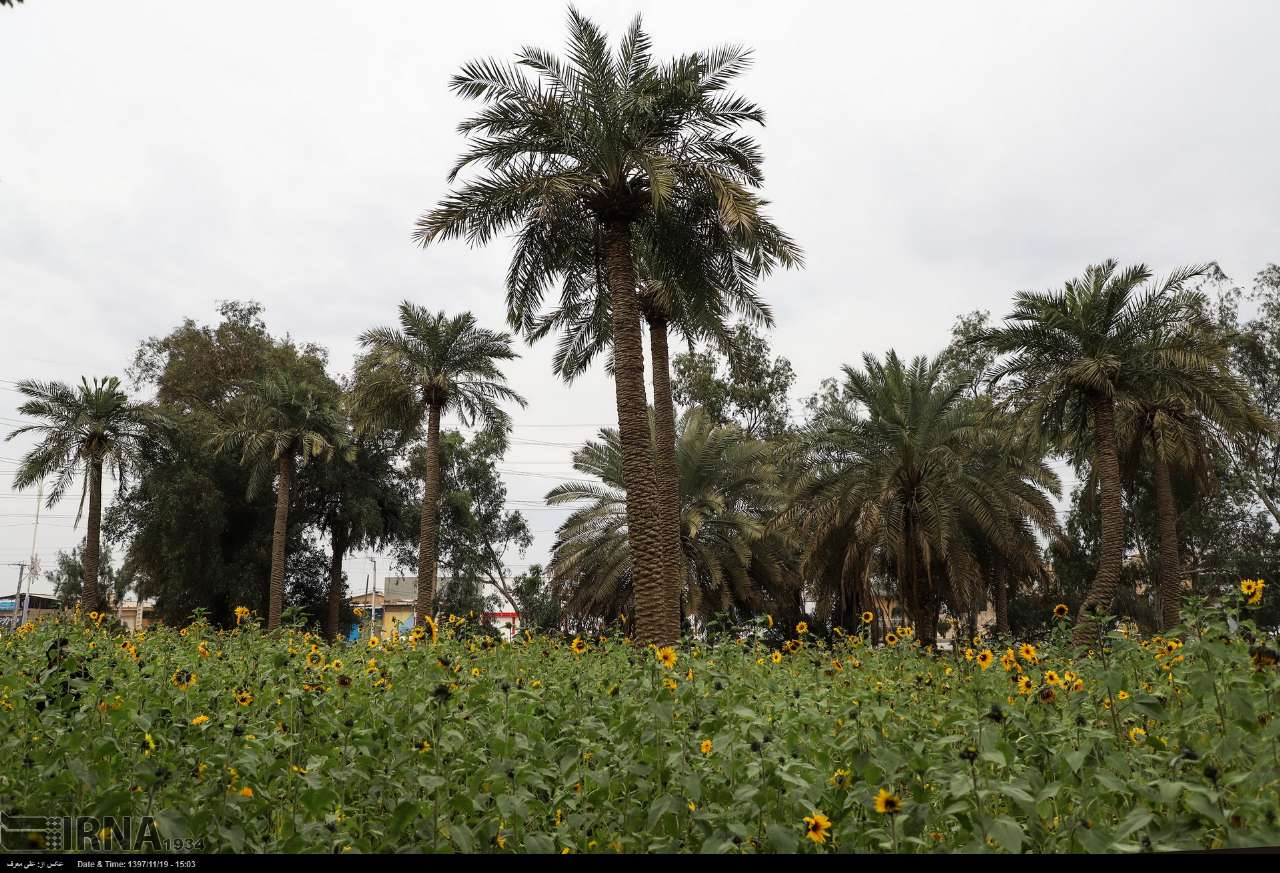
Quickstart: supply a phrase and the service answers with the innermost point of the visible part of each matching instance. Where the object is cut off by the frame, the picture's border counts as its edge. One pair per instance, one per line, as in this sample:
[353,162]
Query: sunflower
[666,656]
[888,803]
[841,778]
[1060,611]
[1048,695]
[985,658]
[891,639]
[1122,695]
[242,612]
[705,747]
[182,679]
[868,617]
[1077,685]
[431,626]
[1248,587]
[243,697]
[817,826]
[802,628]
[1008,660]
[1025,685]
[1137,734]
[199,720]
[374,642]
[423,746]
[968,654]
[578,646]
[776,657]
[246,791]
[1027,652]
[1052,678]
[314,658]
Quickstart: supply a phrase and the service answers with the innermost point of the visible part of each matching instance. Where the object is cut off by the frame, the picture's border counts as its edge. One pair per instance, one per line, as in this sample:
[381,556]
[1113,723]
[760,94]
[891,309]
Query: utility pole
[17,598]
[33,562]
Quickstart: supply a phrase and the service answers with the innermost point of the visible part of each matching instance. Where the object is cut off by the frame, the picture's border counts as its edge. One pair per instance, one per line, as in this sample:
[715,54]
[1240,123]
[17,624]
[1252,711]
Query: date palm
[1179,426]
[275,425]
[83,430]
[590,160]
[732,562]
[411,376]
[1074,354]
[909,478]
[692,308]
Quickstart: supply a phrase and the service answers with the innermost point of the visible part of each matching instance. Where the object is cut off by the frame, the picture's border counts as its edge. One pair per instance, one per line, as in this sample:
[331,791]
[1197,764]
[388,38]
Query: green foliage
[467,744]
[743,385]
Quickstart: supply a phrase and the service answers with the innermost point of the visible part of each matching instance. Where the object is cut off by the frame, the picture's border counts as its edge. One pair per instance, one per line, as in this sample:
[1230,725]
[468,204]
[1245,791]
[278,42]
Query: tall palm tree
[1075,353]
[432,365]
[692,308]
[590,161]
[1180,425]
[909,480]
[275,425]
[84,430]
[733,562]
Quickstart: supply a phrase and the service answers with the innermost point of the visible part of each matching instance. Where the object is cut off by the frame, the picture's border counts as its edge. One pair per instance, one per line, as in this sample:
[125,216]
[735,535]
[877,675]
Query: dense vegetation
[758,740]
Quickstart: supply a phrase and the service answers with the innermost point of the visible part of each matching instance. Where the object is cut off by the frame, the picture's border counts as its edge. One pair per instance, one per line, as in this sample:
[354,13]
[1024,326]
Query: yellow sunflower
[888,803]
[868,617]
[985,658]
[817,826]
[667,655]
[705,747]
[802,628]
[1060,611]
[578,646]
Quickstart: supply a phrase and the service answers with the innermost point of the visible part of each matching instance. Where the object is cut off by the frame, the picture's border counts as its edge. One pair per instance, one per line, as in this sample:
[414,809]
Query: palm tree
[1075,353]
[695,310]
[431,366]
[591,161]
[359,501]
[910,480]
[1181,425]
[276,424]
[84,431]
[733,563]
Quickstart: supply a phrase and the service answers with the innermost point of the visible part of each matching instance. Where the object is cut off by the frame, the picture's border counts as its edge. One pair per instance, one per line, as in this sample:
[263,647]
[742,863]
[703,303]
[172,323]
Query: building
[127,613]
[393,607]
[32,607]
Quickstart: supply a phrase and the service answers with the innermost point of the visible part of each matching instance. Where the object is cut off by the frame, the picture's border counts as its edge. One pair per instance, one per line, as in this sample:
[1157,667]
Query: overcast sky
[932,158]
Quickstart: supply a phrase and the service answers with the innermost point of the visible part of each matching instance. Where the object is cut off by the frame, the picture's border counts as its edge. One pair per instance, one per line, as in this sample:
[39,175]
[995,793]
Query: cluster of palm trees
[405,380]
[933,484]
[630,185]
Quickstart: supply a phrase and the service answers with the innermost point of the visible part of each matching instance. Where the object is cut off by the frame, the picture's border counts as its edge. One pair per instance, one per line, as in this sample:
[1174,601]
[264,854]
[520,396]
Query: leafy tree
[477,533]
[279,423]
[743,385]
[432,365]
[598,159]
[67,576]
[82,431]
[1073,354]
[541,608]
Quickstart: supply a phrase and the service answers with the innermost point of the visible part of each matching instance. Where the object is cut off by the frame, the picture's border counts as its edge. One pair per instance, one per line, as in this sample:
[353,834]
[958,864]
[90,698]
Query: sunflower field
[449,740]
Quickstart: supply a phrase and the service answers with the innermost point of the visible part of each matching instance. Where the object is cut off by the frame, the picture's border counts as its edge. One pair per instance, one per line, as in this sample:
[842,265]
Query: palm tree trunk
[429,533]
[653,615]
[89,595]
[275,602]
[1111,550]
[1002,599]
[666,471]
[1170,564]
[334,614]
